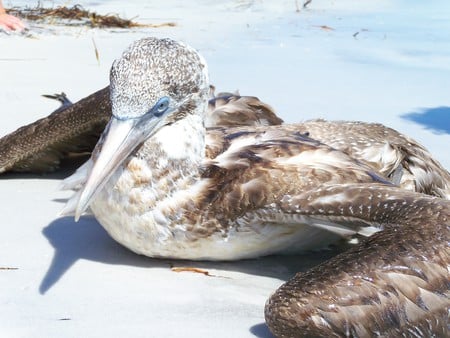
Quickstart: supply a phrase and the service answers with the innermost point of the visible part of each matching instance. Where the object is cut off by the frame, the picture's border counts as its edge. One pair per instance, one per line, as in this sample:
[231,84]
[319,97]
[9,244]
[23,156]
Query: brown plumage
[230,110]
[394,156]
[247,178]
[398,276]
[40,146]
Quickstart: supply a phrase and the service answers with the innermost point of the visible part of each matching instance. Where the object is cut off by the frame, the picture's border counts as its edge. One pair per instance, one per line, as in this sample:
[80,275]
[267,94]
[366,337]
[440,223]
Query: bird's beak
[118,141]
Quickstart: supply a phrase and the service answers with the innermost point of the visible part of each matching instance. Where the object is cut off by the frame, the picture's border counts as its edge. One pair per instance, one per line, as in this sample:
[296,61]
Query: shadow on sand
[88,240]
[261,331]
[436,119]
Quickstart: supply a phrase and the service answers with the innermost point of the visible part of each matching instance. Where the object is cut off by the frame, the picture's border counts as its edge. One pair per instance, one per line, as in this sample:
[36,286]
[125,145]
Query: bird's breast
[165,218]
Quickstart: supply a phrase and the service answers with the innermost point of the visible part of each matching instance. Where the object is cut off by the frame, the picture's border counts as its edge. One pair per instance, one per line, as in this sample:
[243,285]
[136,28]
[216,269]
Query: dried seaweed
[78,16]
[194,270]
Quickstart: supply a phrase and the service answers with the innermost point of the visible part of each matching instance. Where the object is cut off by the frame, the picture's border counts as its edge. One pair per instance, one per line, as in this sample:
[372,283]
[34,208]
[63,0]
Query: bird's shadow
[436,119]
[261,331]
[89,241]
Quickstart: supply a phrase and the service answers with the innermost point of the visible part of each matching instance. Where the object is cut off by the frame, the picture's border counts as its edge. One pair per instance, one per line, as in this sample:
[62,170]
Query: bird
[167,179]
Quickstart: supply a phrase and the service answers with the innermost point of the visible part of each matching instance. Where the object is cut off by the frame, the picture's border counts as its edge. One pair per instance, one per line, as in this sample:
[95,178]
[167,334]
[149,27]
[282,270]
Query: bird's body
[164,185]
[170,201]
[192,193]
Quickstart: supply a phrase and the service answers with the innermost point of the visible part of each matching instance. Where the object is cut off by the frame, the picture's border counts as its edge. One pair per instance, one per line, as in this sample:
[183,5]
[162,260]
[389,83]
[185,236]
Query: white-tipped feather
[71,205]
[78,178]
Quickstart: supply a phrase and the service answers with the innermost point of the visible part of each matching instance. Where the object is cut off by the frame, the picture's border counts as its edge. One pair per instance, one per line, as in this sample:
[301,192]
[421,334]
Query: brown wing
[396,157]
[386,151]
[258,167]
[395,283]
[235,110]
[40,146]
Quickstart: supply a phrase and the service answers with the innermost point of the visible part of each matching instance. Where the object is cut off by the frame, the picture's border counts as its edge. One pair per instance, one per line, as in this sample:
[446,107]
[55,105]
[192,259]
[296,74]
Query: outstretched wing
[40,146]
[393,283]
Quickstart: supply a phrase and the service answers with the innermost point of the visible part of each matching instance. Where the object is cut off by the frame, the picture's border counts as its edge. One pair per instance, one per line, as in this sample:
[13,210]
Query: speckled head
[153,68]
[155,83]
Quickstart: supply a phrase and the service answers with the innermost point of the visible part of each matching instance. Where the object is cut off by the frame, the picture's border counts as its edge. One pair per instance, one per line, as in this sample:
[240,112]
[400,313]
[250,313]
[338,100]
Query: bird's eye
[161,106]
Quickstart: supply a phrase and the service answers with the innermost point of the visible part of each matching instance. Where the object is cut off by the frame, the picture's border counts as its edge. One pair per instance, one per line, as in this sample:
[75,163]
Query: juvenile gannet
[165,186]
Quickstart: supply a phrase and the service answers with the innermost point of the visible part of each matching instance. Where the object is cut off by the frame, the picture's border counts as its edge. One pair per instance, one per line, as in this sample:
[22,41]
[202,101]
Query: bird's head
[155,83]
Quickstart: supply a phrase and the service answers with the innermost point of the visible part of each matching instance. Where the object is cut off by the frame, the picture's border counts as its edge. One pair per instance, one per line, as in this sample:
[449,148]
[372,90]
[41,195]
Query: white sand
[399,63]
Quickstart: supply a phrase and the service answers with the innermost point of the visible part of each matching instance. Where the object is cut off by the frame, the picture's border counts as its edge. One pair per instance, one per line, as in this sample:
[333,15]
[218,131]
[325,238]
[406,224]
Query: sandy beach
[386,62]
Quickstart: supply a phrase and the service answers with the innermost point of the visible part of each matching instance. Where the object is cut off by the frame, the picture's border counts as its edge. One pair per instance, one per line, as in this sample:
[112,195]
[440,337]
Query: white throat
[182,140]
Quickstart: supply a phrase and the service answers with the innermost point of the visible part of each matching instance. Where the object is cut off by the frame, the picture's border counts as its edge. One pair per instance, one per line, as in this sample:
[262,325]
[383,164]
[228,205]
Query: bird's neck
[184,139]
[179,147]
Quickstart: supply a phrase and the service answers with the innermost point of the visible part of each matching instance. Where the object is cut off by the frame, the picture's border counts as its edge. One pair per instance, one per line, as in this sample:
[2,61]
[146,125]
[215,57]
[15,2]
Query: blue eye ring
[161,106]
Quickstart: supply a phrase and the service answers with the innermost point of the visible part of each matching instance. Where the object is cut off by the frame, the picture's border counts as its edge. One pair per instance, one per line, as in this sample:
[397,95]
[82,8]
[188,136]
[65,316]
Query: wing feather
[40,146]
[395,282]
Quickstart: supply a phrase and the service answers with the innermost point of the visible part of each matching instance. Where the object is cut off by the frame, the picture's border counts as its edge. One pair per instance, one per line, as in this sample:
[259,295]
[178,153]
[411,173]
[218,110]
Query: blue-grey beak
[120,138]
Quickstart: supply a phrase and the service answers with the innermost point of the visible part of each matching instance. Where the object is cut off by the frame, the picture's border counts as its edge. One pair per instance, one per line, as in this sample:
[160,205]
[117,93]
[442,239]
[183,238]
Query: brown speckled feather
[256,169]
[386,151]
[39,147]
[395,283]
[235,110]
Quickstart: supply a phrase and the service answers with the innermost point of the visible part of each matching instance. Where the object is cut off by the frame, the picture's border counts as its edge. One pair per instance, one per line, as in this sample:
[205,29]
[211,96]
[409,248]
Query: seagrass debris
[78,16]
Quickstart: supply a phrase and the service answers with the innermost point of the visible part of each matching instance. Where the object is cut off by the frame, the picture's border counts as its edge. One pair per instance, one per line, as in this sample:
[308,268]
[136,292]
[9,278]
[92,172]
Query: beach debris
[78,16]
[190,269]
[96,51]
[325,27]
[8,268]
[357,33]
[306,3]
[193,270]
